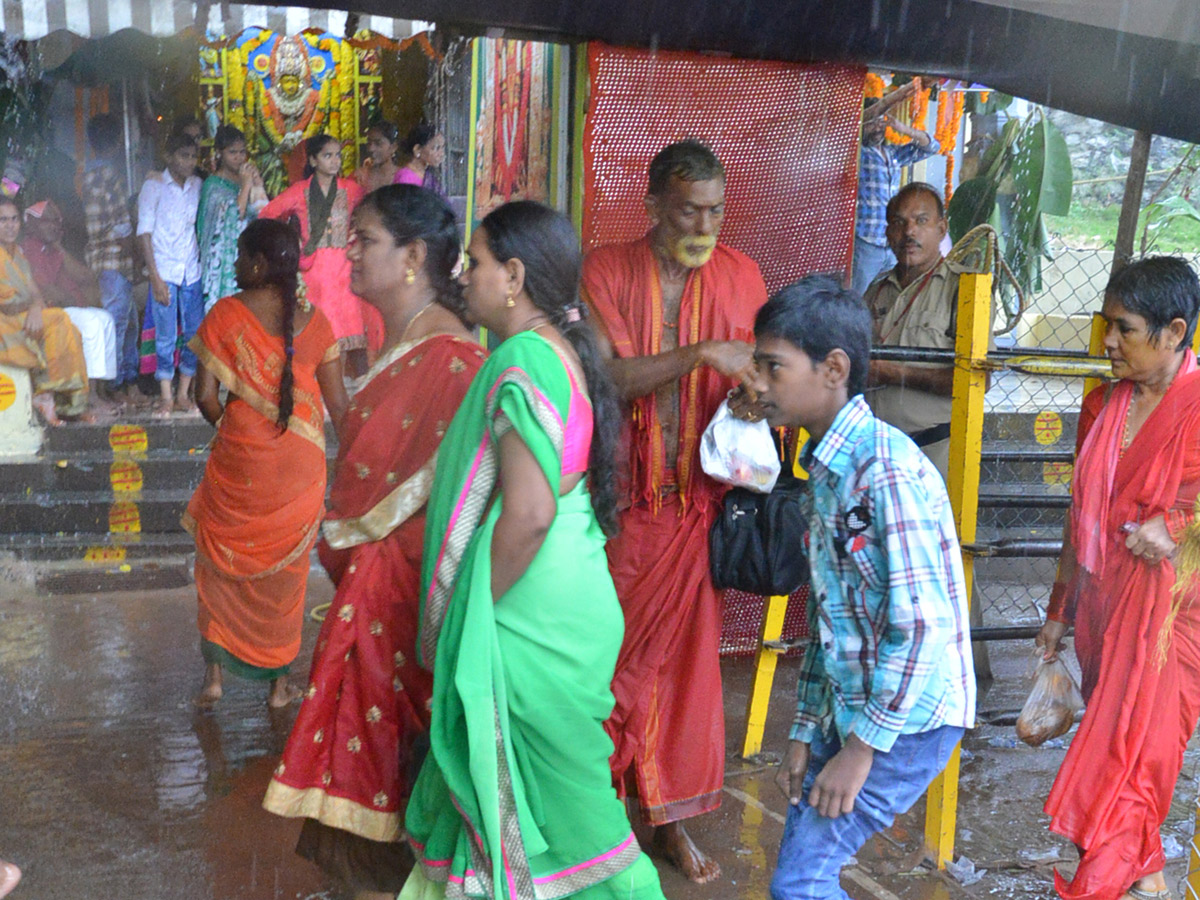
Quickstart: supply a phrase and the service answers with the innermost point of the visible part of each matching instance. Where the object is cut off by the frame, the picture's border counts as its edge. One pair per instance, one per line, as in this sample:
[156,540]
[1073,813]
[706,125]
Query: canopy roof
[1131,62]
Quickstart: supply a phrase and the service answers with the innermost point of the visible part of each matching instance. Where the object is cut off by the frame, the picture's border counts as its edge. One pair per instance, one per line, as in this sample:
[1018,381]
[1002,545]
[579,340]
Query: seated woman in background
[35,336]
[256,512]
[66,283]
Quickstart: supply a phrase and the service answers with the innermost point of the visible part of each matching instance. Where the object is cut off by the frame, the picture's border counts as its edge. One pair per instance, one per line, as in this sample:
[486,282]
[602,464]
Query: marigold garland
[949,120]
[873,89]
[917,111]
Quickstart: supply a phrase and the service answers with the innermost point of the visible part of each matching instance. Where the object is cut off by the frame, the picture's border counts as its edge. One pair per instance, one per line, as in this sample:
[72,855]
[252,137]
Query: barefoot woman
[256,512]
[348,764]
[1127,579]
[519,617]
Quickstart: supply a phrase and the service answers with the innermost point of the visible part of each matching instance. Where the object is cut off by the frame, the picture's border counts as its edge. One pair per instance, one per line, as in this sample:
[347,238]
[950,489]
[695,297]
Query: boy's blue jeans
[814,849]
[179,318]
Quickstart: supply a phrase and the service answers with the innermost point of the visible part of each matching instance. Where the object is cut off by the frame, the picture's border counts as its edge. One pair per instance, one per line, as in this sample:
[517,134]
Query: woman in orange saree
[1128,582]
[348,763]
[256,512]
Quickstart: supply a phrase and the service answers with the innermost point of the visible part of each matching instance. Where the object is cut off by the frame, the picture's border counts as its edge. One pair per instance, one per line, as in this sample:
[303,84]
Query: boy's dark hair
[818,315]
[1159,289]
[688,160]
[104,132]
[177,141]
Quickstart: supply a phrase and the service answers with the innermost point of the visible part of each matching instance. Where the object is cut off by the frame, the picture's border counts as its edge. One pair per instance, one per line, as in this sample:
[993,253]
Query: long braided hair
[545,241]
[279,246]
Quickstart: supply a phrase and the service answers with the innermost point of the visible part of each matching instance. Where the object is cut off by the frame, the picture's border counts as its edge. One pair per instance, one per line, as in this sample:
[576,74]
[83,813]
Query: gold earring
[509,301]
[410,277]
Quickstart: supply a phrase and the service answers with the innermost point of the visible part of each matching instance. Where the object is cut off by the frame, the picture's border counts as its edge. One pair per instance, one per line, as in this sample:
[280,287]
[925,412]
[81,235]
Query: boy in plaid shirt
[886,683]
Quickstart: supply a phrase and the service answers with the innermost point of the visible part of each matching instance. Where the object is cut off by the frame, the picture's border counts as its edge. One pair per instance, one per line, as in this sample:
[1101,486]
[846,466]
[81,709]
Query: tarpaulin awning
[1132,62]
[34,19]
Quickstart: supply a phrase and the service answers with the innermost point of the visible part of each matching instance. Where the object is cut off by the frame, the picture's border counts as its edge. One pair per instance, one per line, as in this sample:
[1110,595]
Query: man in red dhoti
[677,309]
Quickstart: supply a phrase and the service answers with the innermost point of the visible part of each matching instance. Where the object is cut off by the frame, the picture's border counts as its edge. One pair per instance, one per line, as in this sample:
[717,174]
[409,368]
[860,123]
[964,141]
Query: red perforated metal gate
[787,134]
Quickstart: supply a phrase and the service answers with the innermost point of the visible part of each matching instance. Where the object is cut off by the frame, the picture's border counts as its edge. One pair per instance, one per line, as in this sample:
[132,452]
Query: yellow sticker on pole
[127,439]
[1047,427]
[124,517]
[1057,472]
[125,476]
[8,392]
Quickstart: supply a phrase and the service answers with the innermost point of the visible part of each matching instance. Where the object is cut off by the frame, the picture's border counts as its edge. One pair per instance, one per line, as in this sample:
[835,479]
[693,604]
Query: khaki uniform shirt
[929,323]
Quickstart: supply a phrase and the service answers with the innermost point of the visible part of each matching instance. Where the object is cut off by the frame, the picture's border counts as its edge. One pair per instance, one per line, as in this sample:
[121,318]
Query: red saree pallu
[351,757]
[1137,639]
[256,512]
[668,723]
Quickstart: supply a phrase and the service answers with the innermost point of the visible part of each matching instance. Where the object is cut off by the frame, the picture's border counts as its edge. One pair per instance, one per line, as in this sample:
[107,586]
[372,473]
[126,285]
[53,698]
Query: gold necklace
[413,320]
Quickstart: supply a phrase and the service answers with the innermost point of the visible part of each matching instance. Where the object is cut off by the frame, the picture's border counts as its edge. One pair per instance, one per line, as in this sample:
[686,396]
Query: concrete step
[141,433]
[110,548]
[151,573]
[91,512]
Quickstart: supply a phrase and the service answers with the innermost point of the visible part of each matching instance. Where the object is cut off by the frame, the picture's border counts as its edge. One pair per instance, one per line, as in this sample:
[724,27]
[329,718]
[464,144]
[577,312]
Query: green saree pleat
[515,798]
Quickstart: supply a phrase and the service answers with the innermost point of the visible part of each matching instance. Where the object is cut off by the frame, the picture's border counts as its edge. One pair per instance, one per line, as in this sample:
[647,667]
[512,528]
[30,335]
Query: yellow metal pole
[764,675]
[1095,348]
[477,48]
[966,446]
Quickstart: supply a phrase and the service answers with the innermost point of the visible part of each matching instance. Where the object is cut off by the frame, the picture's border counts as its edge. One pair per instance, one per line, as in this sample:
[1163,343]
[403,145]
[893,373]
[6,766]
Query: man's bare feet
[9,876]
[186,407]
[212,690]
[43,405]
[163,409]
[283,693]
[673,843]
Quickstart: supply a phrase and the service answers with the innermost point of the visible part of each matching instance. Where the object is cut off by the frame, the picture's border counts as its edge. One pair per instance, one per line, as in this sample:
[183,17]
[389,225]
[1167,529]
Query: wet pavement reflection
[113,785]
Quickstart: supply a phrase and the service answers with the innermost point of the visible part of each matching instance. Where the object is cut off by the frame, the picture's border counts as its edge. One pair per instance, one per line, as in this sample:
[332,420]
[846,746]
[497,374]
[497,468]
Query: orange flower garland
[873,88]
[918,111]
[949,120]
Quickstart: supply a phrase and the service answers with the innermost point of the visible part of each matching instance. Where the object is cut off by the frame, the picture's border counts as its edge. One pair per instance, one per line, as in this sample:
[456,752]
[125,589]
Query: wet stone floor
[112,786]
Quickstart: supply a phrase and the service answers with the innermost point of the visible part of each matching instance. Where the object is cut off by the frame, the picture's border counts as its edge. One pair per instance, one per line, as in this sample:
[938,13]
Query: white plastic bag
[739,453]
[1050,709]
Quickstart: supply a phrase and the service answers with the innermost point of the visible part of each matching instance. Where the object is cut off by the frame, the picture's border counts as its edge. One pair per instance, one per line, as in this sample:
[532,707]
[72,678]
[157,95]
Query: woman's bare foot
[1149,886]
[163,409]
[674,844]
[283,693]
[212,690]
[43,405]
[186,407]
[9,876]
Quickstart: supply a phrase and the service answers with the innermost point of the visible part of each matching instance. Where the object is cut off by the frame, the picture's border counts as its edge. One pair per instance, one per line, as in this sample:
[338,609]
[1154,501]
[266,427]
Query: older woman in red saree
[1128,581]
[349,760]
[256,512]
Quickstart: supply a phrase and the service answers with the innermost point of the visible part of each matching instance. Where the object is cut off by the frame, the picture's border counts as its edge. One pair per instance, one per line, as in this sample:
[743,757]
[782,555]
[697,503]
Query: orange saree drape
[1141,672]
[256,512]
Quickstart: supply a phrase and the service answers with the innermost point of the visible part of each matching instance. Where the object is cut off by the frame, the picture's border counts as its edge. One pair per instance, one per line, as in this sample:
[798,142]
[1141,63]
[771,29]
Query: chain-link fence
[1029,440]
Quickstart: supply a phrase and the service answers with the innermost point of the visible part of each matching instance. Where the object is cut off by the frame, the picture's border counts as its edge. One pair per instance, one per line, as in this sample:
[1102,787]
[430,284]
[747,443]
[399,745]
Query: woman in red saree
[353,749]
[322,205]
[1128,582]
[256,512]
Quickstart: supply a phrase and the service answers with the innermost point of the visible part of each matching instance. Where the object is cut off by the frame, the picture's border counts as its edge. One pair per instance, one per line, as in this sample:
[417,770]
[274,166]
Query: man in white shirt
[166,232]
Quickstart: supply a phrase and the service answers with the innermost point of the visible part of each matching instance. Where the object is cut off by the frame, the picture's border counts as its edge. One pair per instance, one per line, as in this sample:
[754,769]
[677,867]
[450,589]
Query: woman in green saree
[519,618]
